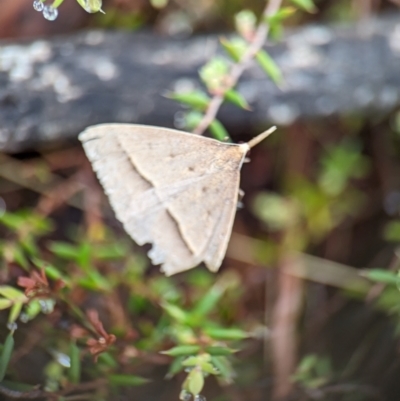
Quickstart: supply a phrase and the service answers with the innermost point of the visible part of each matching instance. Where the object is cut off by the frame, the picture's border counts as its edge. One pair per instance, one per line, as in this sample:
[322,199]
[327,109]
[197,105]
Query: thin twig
[237,69]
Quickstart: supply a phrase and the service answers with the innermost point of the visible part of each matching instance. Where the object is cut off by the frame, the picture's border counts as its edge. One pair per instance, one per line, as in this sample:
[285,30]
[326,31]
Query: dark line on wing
[152,185]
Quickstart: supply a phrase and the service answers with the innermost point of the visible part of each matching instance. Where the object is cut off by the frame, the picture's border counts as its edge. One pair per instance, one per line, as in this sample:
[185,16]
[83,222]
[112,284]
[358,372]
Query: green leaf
[381,276]
[236,98]
[209,301]
[32,309]
[12,293]
[51,271]
[64,250]
[224,367]
[236,48]
[107,359]
[191,361]
[209,368]
[219,132]
[110,251]
[91,6]
[214,73]
[220,351]
[12,221]
[245,23]
[19,256]
[280,15]
[306,5]
[226,334]
[29,246]
[269,66]
[175,312]
[83,256]
[196,99]
[195,381]
[94,281]
[15,312]
[175,367]
[74,372]
[6,355]
[192,119]
[5,303]
[182,350]
[127,380]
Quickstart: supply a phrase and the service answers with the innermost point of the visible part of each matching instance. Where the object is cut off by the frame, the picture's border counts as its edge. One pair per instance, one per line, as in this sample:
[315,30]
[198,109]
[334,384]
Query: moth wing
[175,190]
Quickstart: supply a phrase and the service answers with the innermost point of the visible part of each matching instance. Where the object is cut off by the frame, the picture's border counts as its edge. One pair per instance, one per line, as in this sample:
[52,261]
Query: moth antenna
[255,141]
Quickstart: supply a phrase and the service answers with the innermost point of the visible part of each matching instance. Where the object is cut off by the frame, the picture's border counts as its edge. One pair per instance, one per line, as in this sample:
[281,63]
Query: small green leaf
[110,251]
[381,276]
[220,351]
[224,367]
[94,281]
[219,132]
[280,15]
[5,303]
[6,355]
[83,256]
[236,48]
[175,312]
[91,6]
[306,5]
[19,257]
[269,66]
[196,99]
[214,73]
[12,293]
[226,334]
[12,221]
[74,372]
[245,23]
[236,98]
[182,350]
[195,381]
[29,246]
[51,271]
[209,368]
[174,367]
[107,359]
[192,119]
[209,301]
[64,250]
[15,312]
[191,361]
[32,309]
[127,380]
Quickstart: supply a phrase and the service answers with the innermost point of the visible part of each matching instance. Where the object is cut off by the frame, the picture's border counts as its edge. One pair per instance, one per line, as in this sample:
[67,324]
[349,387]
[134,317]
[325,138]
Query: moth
[174,190]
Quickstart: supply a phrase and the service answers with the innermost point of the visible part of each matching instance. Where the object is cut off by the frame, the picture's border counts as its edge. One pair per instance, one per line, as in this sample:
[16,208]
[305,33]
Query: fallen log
[51,89]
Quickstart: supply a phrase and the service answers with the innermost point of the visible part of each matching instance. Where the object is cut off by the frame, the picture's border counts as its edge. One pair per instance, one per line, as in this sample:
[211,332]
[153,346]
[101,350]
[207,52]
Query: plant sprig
[237,69]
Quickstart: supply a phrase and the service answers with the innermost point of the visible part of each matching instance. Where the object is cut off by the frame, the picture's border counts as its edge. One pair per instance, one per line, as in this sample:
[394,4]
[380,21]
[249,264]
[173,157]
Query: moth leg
[246,160]
[240,197]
